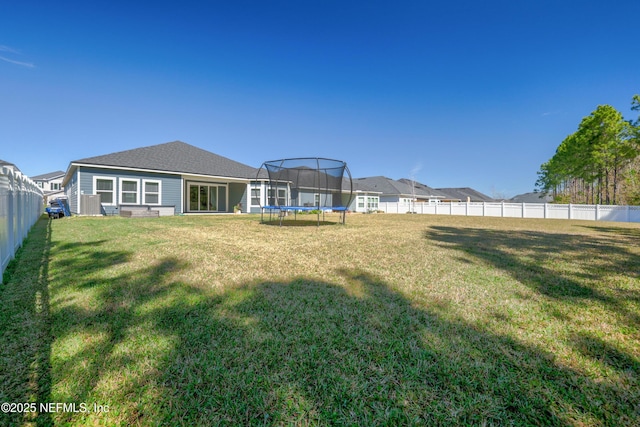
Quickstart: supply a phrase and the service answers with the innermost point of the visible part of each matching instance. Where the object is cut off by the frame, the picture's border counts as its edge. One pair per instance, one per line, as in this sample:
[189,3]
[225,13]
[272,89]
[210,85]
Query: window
[55,186]
[282,197]
[151,192]
[255,196]
[105,188]
[129,191]
[372,203]
[316,199]
[207,197]
[361,202]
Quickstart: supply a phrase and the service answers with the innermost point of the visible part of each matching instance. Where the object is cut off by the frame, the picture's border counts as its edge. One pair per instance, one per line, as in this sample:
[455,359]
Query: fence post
[523,209]
[597,212]
[545,211]
[570,211]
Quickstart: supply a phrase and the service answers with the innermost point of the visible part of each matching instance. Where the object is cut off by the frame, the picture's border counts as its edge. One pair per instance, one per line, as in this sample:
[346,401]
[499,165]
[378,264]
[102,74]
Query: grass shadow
[299,223]
[354,351]
[307,352]
[564,267]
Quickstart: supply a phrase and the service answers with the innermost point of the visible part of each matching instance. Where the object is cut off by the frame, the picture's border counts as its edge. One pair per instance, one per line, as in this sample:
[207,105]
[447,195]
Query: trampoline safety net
[305,184]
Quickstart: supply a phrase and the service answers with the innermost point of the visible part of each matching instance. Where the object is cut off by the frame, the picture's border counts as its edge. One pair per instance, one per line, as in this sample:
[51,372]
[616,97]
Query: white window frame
[282,197]
[113,191]
[251,190]
[373,203]
[144,192]
[121,192]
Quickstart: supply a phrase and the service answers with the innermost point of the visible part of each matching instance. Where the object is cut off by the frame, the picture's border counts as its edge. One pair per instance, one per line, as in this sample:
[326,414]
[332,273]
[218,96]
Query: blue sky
[453,93]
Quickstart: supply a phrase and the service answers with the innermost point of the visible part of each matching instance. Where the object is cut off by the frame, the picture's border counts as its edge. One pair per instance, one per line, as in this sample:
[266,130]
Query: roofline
[74,165]
[218,177]
[49,178]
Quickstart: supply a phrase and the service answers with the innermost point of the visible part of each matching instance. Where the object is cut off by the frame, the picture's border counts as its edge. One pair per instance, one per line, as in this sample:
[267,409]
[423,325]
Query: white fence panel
[634,214]
[587,212]
[613,213]
[512,210]
[493,209]
[476,209]
[533,210]
[458,208]
[557,211]
[520,210]
[20,208]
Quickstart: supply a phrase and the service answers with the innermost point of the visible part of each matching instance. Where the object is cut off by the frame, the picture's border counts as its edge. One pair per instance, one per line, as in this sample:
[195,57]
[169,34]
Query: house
[403,190]
[51,184]
[464,194]
[364,199]
[534,197]
[424,193]
[173,177]
[8,165]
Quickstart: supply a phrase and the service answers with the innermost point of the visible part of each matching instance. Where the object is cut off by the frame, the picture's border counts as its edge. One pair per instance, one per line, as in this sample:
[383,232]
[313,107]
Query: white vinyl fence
[520,210]
[20,208]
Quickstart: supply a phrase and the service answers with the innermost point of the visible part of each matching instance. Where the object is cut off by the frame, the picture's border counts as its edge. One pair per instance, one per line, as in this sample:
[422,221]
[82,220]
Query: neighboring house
[170,175]
[51,184]
[424,193]
[403,191]
[364,200]
[5,164]
[534,197]
[464,194]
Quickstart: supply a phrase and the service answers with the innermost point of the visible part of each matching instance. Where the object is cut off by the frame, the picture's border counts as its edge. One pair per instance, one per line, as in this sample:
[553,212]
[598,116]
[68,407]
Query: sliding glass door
[205,197]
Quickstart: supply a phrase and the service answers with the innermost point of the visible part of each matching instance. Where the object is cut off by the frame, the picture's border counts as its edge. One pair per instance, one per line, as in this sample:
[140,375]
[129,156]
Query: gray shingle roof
[423,190]
[532,198]
[401,187]
[178,157]
[465,192]
[383,185]
[48,176]
[8,164]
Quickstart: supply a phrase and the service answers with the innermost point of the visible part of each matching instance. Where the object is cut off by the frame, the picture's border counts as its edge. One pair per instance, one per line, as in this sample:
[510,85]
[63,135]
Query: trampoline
[307,184]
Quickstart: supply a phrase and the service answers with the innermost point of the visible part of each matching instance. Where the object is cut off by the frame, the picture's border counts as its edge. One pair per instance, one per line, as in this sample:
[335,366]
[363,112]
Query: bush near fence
[519,210]
[20,207]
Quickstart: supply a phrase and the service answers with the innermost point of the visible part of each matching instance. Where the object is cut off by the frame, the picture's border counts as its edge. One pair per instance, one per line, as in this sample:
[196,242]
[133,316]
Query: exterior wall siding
[237,194]
[170,191]
[71,191]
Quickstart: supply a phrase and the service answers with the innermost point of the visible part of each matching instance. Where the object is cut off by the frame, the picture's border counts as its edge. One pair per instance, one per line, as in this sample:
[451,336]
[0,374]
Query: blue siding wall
[170,191]
[237,194]
[71,191]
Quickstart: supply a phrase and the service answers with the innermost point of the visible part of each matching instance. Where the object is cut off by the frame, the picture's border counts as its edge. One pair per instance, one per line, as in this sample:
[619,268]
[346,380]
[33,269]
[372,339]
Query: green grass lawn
[388,320]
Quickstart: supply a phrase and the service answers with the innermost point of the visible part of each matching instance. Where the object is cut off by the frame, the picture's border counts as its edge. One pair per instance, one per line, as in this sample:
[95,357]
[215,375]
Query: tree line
[599,163]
